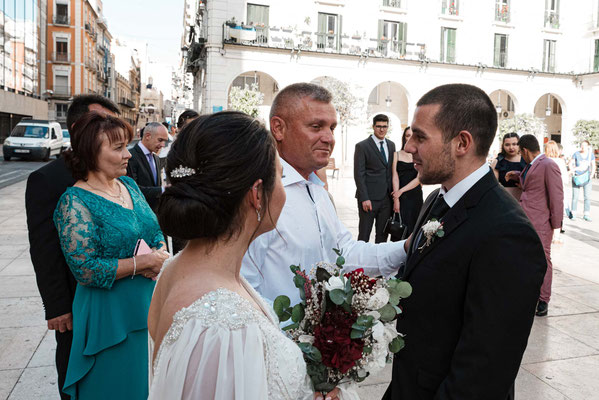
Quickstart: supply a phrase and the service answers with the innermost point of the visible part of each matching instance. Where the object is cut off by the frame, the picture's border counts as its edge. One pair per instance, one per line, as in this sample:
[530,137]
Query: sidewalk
[561,361]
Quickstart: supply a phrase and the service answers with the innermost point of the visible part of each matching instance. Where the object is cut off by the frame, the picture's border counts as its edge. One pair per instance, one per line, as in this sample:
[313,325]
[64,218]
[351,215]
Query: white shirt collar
[535,159]
[452,196]
[143,148]
[377,140]
[291,176]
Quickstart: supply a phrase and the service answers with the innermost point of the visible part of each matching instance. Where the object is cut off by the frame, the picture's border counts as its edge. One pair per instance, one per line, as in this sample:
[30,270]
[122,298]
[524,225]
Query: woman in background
[509,160]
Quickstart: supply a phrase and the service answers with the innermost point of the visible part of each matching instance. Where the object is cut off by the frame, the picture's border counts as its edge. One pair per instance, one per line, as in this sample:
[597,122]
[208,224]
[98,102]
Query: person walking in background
[372,174]
[553,153]
[407,190]
[55,281]
[583,166]
[144,166]
[185,117]
[509,159]
[543,202]
[99,221]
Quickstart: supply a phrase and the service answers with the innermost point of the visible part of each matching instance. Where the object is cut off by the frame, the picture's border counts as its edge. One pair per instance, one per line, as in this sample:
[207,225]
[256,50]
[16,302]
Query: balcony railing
[500,60]
[61,19]
[126,102]
[502,12]
[551,19]
[59,57]
[274,37]
[392,3]
[450,7]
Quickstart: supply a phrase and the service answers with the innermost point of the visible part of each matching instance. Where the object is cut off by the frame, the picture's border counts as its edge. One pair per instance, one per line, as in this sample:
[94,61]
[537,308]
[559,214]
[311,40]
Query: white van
[34,139]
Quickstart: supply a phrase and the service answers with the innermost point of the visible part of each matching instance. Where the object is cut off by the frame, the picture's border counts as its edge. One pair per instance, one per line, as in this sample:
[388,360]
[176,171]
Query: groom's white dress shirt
[453,195]
[307,231]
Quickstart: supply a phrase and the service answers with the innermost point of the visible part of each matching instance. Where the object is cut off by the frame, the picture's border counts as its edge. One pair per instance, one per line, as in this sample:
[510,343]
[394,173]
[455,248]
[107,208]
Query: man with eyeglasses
[372,173]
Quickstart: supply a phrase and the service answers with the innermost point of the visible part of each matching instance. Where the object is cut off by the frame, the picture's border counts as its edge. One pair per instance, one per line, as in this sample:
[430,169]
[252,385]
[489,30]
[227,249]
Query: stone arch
[392,99]
[506,104]
[266,84]
[551,108]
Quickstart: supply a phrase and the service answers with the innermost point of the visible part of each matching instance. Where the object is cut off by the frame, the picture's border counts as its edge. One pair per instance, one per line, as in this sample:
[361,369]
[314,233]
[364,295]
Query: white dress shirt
[453,195]
[378,141]
[307,231]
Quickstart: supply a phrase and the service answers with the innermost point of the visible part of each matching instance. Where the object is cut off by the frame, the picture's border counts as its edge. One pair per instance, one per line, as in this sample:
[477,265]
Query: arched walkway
[550,108]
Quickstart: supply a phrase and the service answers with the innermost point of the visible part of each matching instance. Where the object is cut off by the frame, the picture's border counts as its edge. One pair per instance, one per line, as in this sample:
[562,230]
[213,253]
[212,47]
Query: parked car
[34,139]
[66,140]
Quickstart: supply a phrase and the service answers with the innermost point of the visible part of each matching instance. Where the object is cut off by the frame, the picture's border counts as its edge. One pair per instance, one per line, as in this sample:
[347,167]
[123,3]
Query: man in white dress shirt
[302,121]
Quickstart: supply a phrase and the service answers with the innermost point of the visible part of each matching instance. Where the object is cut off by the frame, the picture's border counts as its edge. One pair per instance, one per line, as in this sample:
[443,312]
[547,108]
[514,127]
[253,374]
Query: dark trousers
[381,211]
[63,351]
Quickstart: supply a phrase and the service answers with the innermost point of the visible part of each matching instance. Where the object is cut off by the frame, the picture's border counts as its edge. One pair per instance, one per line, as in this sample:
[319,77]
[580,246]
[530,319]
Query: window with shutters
[596,57]
[500,54]
[552,14]
[502,11]
[329,26]
[549,56]
[258,16]
[448,36]
[450,7]
[392,38]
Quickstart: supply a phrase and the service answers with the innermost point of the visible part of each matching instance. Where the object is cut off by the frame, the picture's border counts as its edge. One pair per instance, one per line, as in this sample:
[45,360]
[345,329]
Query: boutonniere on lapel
[431,230]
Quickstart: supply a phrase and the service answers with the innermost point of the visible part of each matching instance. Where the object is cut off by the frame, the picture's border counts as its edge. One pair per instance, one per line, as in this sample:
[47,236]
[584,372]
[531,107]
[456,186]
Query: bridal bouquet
[345,323]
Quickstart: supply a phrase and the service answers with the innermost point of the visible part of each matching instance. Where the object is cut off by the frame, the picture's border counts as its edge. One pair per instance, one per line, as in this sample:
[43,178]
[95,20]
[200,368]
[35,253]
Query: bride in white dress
[211,335]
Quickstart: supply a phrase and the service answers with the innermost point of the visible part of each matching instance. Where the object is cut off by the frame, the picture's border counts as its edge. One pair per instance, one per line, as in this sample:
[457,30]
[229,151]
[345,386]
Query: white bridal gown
[222,347]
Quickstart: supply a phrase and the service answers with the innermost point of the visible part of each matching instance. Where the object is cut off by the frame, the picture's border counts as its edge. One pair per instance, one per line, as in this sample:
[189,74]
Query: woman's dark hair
[507,136]
[86,141]
[228,152]
[185,116]
[403,138]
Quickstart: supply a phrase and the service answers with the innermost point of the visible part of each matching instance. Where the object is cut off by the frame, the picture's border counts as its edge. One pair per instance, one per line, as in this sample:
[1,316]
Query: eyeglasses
[381,126]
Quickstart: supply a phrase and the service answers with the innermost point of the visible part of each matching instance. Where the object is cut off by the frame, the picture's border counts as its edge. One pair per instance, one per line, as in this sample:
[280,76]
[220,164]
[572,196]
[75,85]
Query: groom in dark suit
[144,164]
[476,278]
[372,172]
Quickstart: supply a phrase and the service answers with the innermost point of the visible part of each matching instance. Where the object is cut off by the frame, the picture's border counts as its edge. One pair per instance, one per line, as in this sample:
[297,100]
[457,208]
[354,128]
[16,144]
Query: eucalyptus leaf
[359,327]
[394,296]
[340,261]
[367,349]
[396,344]
[297,314]
[404,289]
[387,313]
[292,326]
[440,233]
[337,251]
[280,304]
[356,334]
[337,296]
[310,351]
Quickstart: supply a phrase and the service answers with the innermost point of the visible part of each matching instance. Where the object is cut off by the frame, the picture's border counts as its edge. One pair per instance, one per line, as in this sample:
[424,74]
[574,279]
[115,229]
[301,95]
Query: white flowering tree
[587,130]
[246,99]
[350,107]
[523,124]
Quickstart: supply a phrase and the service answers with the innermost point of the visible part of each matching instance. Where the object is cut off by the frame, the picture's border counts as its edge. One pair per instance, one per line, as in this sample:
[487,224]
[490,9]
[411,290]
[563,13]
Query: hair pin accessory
[182,172]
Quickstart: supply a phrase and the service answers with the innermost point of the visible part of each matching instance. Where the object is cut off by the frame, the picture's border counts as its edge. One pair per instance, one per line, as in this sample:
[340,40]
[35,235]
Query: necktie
[383,152]
[152,166]
[524,172]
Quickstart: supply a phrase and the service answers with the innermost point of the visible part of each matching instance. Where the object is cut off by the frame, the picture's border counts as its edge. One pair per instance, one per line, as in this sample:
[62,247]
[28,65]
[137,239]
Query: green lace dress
[109,354]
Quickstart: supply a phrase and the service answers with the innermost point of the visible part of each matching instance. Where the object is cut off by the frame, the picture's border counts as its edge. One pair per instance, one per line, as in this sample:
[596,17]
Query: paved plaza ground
[561,361]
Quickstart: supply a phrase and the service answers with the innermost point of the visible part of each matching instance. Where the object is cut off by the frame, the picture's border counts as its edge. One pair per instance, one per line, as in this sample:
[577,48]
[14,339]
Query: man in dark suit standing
[372,173]
[54,279]
[144,164]
[476,277]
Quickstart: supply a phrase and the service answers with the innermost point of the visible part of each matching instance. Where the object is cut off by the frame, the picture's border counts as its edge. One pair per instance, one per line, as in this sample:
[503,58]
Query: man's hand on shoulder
[62,323]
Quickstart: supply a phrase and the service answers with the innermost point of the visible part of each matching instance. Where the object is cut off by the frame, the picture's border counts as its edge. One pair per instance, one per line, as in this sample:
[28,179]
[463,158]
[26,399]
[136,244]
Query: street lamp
[548,109]
[498,106]
[388,100]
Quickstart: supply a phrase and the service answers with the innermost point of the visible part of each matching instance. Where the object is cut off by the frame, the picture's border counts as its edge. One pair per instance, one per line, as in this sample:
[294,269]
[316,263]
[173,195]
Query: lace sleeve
[75,228]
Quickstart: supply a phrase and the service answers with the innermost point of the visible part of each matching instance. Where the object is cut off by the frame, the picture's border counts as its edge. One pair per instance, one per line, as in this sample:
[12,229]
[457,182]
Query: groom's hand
[367,206]
[408,241]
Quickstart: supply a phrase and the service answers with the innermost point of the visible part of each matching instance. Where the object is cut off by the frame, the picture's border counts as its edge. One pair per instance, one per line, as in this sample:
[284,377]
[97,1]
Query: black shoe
[542,308]
[569,213]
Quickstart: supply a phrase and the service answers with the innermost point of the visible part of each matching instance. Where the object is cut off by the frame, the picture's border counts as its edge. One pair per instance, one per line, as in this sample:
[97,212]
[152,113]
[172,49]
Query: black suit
[54,279]
[373,174]
[140,171]
[474,296]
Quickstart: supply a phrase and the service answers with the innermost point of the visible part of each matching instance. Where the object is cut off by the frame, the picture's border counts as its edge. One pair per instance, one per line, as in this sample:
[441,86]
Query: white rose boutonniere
[430,230]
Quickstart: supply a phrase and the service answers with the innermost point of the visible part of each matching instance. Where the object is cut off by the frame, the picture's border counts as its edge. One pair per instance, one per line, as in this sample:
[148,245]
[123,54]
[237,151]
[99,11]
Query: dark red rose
[358,279]
[332,338]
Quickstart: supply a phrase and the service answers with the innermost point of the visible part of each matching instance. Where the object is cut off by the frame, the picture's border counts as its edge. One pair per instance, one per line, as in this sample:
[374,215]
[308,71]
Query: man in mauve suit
[372,173]
[476,278]
[54,279]
[144,164]
[543,202]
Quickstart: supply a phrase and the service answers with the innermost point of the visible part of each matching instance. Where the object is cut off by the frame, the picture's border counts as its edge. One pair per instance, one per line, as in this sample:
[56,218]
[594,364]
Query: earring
[258,212]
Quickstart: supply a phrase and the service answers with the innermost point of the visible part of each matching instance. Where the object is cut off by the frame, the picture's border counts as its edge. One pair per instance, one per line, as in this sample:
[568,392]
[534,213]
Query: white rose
[335,282]
[380,298]
[379,358]
[378,332]
[306,339]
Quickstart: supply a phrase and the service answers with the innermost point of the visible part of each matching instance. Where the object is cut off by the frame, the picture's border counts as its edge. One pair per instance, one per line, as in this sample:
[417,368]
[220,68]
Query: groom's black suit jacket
[140,171]
[474,296]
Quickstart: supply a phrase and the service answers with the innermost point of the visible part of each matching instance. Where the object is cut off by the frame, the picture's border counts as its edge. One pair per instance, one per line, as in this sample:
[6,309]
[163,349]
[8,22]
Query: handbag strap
[399,215]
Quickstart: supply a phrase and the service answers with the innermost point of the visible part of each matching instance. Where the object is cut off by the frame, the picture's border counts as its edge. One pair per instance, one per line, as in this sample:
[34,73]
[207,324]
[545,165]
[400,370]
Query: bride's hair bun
[211,166]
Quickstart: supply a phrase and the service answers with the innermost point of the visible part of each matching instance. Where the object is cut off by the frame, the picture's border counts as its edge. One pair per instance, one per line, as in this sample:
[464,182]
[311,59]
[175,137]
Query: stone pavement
[561,361]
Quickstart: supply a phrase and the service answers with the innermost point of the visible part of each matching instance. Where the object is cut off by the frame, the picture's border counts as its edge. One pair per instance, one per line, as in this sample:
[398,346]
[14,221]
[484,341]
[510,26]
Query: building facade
[22,62]
[537,58]
[151,107]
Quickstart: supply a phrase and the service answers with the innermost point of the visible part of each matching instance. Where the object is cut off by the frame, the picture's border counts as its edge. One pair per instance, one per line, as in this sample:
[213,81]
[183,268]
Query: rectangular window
[62,14]
[61,85]
[500,55]
[257,15]
[549,56]
[448,45]
[502,10]
[450,7]
[328,31]
[596,57]
[552,14]
[392,38]
[62,50]
[61,110]
[392,3]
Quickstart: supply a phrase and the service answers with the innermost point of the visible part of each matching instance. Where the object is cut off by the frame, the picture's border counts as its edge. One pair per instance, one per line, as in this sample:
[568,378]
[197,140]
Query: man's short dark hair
[292,94]
[464,108]
[380,118]
[80,106]
[185,116]
[530,143]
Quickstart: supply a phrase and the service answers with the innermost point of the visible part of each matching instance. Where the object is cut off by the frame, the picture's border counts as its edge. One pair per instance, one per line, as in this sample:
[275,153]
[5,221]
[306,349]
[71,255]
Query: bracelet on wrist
[134,267]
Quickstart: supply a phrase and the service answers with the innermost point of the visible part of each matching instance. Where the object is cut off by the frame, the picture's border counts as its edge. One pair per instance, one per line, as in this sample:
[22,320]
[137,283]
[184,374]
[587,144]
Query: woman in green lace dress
[99,221]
